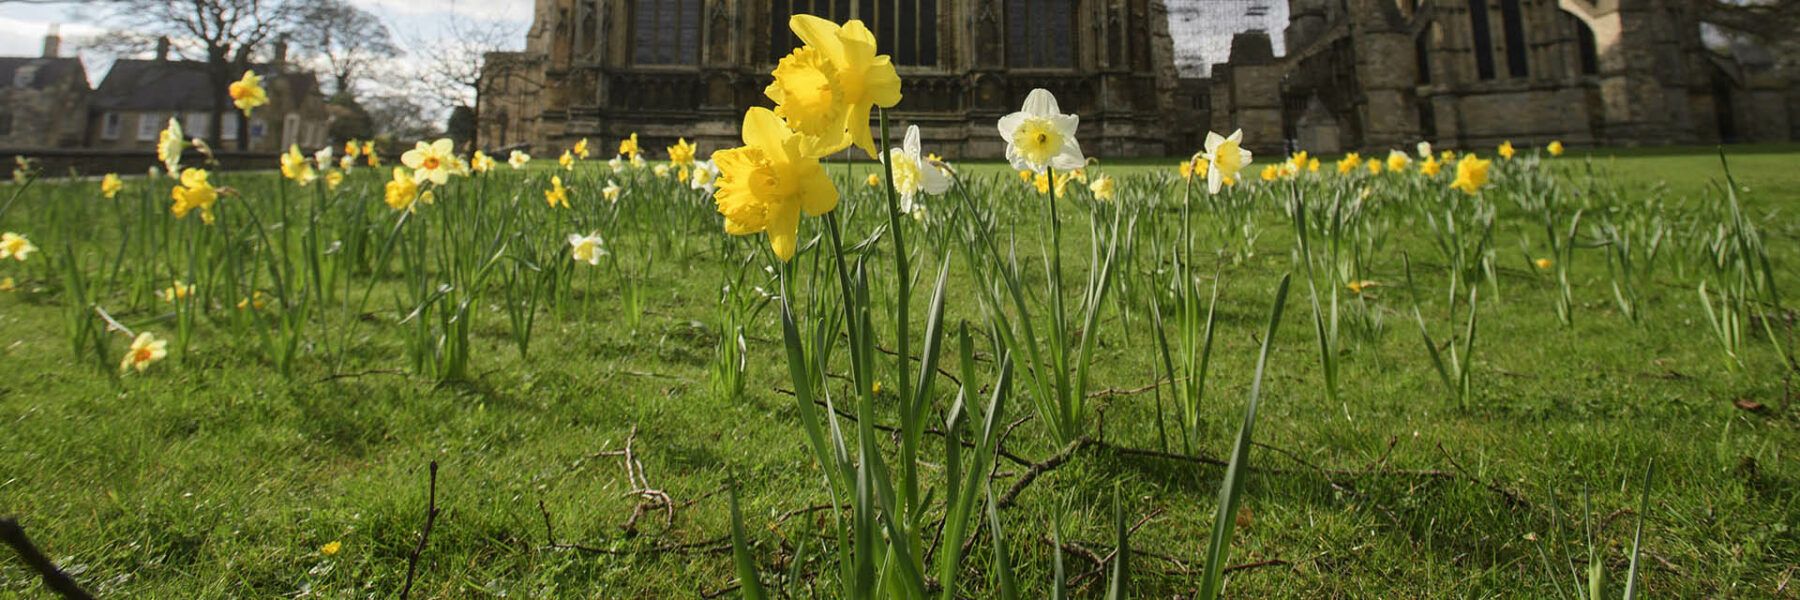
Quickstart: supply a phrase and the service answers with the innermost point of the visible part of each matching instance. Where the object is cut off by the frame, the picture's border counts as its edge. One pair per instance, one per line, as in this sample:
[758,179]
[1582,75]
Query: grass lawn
[213,474]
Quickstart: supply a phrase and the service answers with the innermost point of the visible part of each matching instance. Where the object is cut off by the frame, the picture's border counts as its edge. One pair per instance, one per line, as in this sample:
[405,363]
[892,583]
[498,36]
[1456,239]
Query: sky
[22,26]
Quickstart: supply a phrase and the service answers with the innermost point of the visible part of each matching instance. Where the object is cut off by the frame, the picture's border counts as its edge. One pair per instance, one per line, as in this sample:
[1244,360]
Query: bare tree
[224,33]
[460,65]
[1774,23]
[347,40]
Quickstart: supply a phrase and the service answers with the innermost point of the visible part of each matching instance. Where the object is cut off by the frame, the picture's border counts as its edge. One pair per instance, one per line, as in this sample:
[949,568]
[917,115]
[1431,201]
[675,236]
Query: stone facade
[1326,75]
[43,100]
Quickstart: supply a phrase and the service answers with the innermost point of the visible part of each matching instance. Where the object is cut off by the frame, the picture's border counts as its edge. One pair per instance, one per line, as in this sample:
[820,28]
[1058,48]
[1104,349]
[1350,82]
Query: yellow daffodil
[1226,157]
[352,148]
[1270,173]
[682,153]
[628,147]
[1431,166]
[518,160]
[1555,148]
[331,548]
[1447,156]
[1041,137]
[1103,187]
[110,185]
[1506,150]
[480,162]
[403,192]
[195,191]
[374,160]
[295,167]
[1349,163]
[1312,165]
[431,162]
[567,160]
[1471,174]
[256,300]
[1041,183]
[333,179]
[247,92]
[368,147]
[612,191]
[8,285]
[1397,161]
[637,161]
[1025,176]
[1374,166]
[1298,161]
[767,183]
[557,195]
[586,248]
[145,350]
[912,174]
[581,148]
[177,292]
[15,246]
[873,180]
[168,146]
[1357,287]
[1543,263]
[347,163]
[828,87]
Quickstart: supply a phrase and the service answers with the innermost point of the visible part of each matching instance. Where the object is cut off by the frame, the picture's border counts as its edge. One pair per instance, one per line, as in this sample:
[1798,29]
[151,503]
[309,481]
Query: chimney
[53,41]
[162,48]
[281,49]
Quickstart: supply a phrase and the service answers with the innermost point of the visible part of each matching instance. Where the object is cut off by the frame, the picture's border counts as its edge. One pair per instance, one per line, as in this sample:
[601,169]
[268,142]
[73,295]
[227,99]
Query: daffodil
[110,185]
[1505,150]
[1447,156]
[629,146]
[873,180]
[168,146]
[1270,173]
[617,164]
[586,248]
[1312,165]
[828,87]
[403,192]
[705,176]
[518,160]
[1543,263]
[15,246]
[176,292]
[431,162]
[1471,174]
[347,163]
[256,300]
[1424,150]
[145,350]
[480,162]
[1555,148]
[1103,187]
[637,161]
[1397,161]
[1431,166]
[682,153]
[1357,287]
[1349,163]
[1374,166]
[1298,161]
[912,173]
[1041,137]
[368,148]
[295,167]
[567,160]
[352,148]
[1041,183]
[8,285]
[768,182]
[1225,156]
[194,192]
[247,92]
[333,179]
[581,148]
[661,171]
[557,195]
[612,191]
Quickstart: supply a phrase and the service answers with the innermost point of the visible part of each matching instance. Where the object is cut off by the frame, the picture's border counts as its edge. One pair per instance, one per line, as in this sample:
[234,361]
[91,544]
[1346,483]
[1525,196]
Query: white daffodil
[912,173]
[518,160]
[611,191]
[322,158]
[586,248]
[617,164]
[169,145]
[431,161]
[1424,149]
[705,176]
[1040,137]
[1225,158]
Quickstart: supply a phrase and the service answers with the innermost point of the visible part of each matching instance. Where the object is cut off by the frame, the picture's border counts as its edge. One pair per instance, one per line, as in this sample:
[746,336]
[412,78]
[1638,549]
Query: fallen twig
[431,512]
[14,535]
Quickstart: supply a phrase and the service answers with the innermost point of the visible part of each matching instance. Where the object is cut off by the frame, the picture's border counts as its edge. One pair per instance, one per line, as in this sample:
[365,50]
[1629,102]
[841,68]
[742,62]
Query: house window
[905,30]
[1483,39]
[667,32]
[110,124]
[1512,24]
[290,130]
[1040,34]
[258,129]
[194,124]
[228,127]
[149,124]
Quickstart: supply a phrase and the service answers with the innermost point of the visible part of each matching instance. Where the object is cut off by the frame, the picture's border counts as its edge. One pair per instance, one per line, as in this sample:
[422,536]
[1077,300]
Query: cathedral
[1151,77]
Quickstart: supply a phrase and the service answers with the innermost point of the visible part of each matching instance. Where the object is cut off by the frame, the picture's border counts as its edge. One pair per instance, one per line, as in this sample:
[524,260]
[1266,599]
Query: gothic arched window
[1512,24]
[666,32]
[1040,34]
[905,30]
[1585,46]
[1483,39]
[1422,54]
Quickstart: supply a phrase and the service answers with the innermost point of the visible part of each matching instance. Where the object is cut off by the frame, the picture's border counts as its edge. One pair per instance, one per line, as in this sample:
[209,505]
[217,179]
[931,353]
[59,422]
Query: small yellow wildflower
[331,548]
[7,284]
[110,185]
[1543,263]
[176,292]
